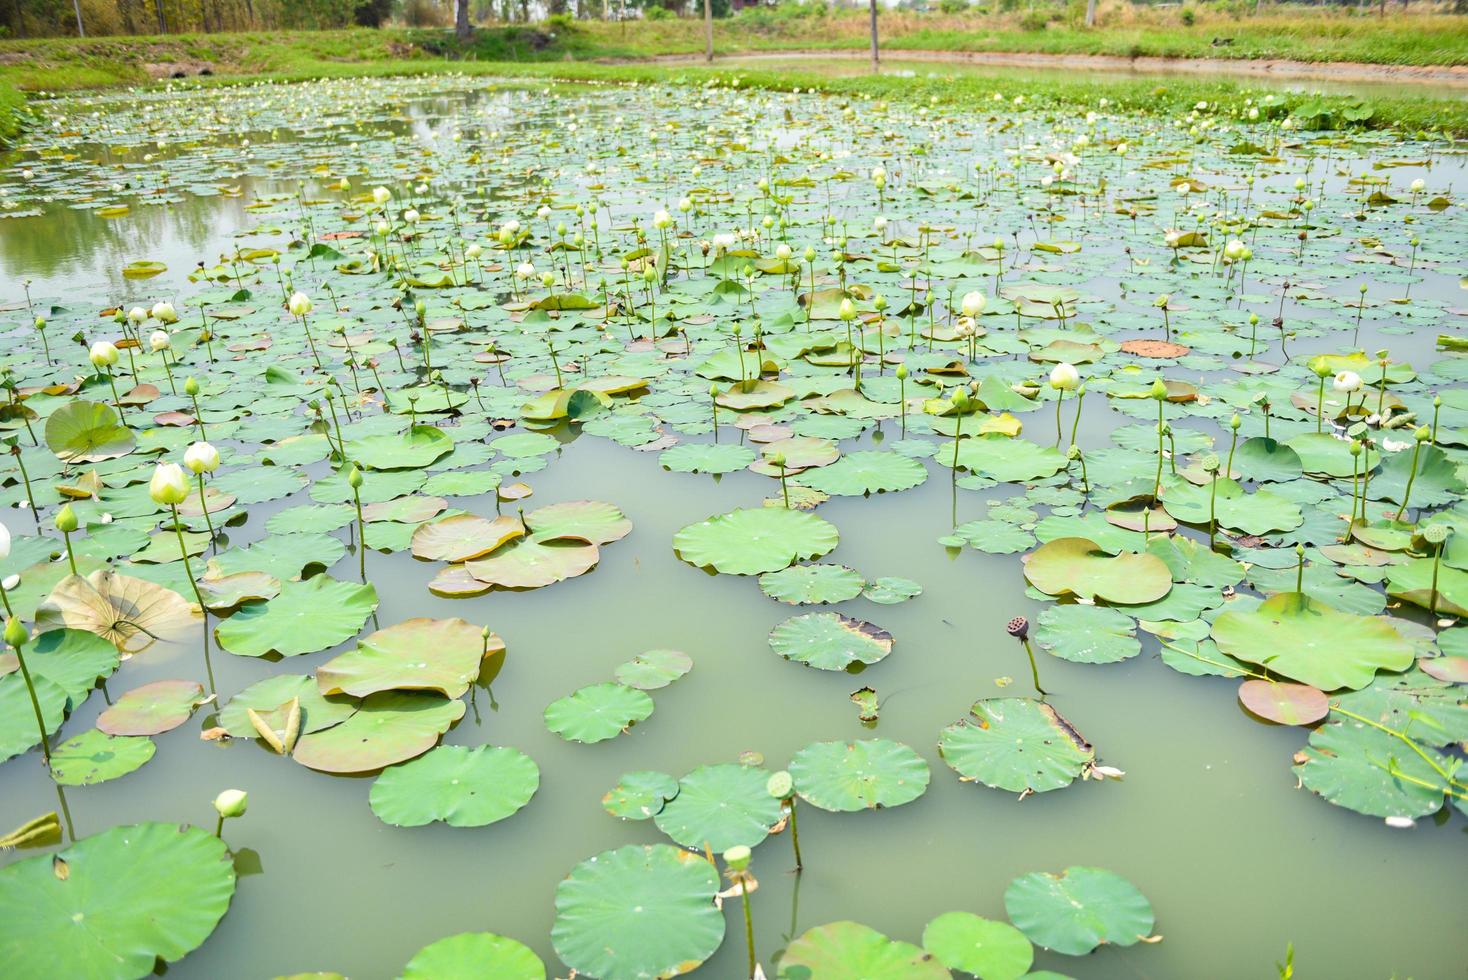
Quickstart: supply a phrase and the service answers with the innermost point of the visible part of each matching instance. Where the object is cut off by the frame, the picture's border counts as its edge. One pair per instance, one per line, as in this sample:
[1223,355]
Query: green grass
[61,64]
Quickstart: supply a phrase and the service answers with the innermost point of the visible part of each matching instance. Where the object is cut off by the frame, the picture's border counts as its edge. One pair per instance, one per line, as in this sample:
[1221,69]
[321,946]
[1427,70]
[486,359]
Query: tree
[1090,13]
[874,35]
[372,13]
[708,30]
[461,19]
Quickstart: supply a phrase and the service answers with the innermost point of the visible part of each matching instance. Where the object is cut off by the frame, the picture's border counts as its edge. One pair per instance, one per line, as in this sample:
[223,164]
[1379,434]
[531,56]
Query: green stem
[204,505]
[66,536]
[795,836]
[183,554]
[35,703]
[361,535]
[748,924]
[1407,494]
[1034,671]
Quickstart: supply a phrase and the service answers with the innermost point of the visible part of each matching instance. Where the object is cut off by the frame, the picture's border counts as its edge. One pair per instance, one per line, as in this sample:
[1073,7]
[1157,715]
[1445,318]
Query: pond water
[1237,859]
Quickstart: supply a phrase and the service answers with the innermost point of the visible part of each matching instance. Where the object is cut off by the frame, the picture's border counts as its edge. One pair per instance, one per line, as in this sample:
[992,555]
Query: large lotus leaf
[865,472]
[847,950]
[598,712]
[720,806]
[152,709]
[113,904]
[706,457]
[96,757]
[639,795]
[74,659]
[591,521]
[1076,566]
[1305,640]
[130,613]
[317,712]
[1193,561]
[461,537]
[87,432]
[744,395]
[805,584]
[1266,460]
[982,947]
[521,445]
[859,775]
[475,956]
[653,669]
[1088,634]
[1004,459]
[1434,712]
[995,537]
[1372,772]
[830,641]
[755,540]
[638,912]
[1259,512]
[1079,909]
[1018,744]
[283,556]
[414,449]
[1324,454]
[418,654]
[1437,481]
[1412,582]
[18,732]
[461,786]
[307,616]
[533,564]
[390,727]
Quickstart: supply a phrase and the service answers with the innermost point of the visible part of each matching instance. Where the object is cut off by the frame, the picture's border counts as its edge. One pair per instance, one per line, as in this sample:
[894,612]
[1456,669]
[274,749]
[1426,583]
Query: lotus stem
[1212,518]
[1059,433]
[183,554]
[1076,423]
[795,834]
[1407,493]
[16,632]
[70,558]
[204,506]
[748,925]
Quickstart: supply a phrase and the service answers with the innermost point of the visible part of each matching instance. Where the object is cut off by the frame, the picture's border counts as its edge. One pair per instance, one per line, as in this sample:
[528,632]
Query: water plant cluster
[1204,370]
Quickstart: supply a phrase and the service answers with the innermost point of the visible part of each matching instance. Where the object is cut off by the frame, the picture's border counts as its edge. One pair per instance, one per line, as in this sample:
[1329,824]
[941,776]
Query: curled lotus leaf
[461,786]
[638,912]
[273,694]
[755,540]
[859,775]
[87,432]
[474,955]
[461,537]
[640,795]
[1017,744]
[113,904]
[1077,566]
[1079,909]
[830,641]
[152,709]
[850,949]
[390,727]
[653,669]
[1306,640]
[130,613]
[418,654]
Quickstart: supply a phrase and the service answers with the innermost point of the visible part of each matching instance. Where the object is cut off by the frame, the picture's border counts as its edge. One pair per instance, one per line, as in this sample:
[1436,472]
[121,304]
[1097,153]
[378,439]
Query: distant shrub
[952,6]
[1034,19]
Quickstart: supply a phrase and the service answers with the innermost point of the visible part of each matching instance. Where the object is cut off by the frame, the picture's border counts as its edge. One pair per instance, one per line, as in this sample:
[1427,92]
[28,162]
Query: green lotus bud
[232,803]
[191,387]
[330,395]
[780,785]
[420,308]
[1253,319]
[809,254]
[960,399]
[649,274]
[713,391]
[66,521]
[1299,551]
[1355,447]
[40,323]
[902,372]
[777,459]
[1159,390]
[1073,453]
[879,303]
[1363,289]
[737,857]
[15,632]
[1235,422]
[354,478]
[1422,434]
[1437,401]
[1322,370]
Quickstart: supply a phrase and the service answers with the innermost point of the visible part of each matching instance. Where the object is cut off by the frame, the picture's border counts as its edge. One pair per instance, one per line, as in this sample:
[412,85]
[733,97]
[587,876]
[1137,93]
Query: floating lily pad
[721,806]
[417,654]
[87,432]
[598,712]
[414,449]
[461,786]
[640,795]
[829,641]
[805,584]
[982,947]
[706,457]
[1285,704]
[850,949]
[638,912]
[864,473]
[859,775]
[754,541]
[1088,634]
[1372,772]
[389,727]
[1079,909]
[890,590]
[472,956]
[152,709]
[461,537]
[1018,744]
[113,904]
[96,757]
[1076,566]
[653,669]
[307,616]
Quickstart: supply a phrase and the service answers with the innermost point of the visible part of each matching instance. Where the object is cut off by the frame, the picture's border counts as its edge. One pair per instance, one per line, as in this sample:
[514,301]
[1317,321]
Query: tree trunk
[77,6]
[162,23]
[1090,13]
[708,30]
[461,19]
[875,59]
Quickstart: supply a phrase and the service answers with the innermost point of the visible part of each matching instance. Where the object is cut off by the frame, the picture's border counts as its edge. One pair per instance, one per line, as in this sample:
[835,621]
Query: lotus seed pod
[780,785]
[1018,627]
[1435,534]
[737,857]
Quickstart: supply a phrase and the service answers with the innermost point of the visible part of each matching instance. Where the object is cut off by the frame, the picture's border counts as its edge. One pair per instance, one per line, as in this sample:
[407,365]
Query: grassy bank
[568,54]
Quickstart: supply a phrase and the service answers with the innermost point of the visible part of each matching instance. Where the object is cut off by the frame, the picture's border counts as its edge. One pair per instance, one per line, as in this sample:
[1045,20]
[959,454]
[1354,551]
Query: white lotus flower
[201,458]
[168,485]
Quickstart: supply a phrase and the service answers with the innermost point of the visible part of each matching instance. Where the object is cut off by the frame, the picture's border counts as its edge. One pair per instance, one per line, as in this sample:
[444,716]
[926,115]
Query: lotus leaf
[96,757]
[1079,909]
[461,786]
[307,616]
[1018,744]
[598,712]
[859,775]
[982,947]
[829,641]
[389,727]
[754,541]
[849,949]
[418,654]
[1076,566]
[720,806]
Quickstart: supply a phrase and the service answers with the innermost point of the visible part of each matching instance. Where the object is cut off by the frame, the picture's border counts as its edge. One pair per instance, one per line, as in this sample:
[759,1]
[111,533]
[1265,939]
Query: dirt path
[1330,71]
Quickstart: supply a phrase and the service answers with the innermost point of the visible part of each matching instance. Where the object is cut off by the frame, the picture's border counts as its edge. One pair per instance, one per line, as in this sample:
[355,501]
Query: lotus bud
[1235,422]
[474,251]
[159,340]
[547,279]
[649,274]
[777,459]
[1347,381]
[713,391]
[809,254]
[1158,390]
[783,252]
[381,195]
[847,310]
[232,803]
[164,313]
[1422,434]
[299,304]
[15,632]
[66,521]
[201,458]
[354,478]
[1355,447]
[1073,453]
[902,372]
[102,354]
[1064,377]
[411,217]
[974,303]
[137,315]
[40,323]
[168,485]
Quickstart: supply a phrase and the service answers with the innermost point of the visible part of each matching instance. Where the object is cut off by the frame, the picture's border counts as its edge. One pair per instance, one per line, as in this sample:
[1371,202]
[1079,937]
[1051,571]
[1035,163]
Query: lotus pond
[1047,528]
